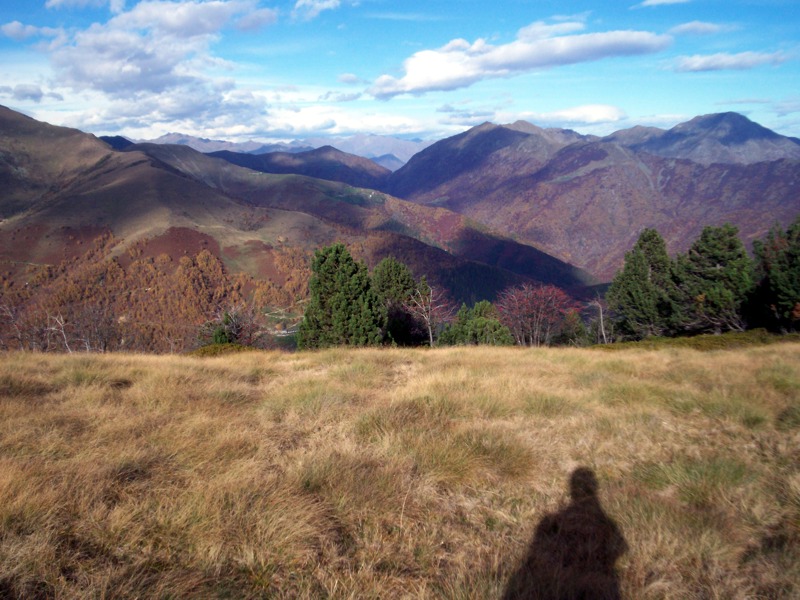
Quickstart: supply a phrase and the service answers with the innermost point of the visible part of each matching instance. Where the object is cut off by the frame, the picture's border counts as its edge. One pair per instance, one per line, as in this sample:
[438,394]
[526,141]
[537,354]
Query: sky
[290,69]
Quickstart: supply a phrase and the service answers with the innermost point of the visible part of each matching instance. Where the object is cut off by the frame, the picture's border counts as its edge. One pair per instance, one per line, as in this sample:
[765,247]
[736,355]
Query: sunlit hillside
[452,473]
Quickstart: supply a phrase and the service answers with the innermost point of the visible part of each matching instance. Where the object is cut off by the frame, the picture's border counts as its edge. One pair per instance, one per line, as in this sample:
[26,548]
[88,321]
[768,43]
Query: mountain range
[63,188]
[388,151]
[494,206]
[585,199]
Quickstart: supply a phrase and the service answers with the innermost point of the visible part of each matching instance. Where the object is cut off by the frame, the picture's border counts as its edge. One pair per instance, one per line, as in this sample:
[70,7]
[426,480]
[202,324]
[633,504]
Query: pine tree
[642,293]
[714,280]
[778,266]
[394,284]
[342,309]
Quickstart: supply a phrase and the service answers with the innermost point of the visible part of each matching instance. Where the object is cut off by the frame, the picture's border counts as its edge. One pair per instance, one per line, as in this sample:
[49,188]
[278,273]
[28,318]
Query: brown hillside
[64,187]
[586,202]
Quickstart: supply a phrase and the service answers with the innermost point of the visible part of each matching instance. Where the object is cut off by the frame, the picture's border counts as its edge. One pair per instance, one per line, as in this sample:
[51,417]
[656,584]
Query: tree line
[349,306]
[103,301]
[714,287]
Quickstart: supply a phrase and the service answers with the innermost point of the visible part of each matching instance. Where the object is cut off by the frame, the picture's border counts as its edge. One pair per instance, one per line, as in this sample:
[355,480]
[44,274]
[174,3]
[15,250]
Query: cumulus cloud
[339,97]
[725,61]
[540,45]
[28,92]
[154,47]
[154,64]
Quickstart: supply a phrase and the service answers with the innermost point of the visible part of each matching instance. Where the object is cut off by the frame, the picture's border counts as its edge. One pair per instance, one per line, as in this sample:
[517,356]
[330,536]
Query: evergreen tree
[642,293]
[394,284]
[477,325]
[778,271]
[714,280]
[343,309]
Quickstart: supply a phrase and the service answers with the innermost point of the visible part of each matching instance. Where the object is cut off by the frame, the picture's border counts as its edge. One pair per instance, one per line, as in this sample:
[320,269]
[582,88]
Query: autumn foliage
[106,301]
[534,313]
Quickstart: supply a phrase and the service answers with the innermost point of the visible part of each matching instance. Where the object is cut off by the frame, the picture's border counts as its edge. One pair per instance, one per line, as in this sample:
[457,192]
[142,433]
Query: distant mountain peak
[727,138]
[728,128]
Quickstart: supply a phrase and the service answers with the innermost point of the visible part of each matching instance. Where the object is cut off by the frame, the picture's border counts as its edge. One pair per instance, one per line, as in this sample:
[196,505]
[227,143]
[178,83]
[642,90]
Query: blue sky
[287,69]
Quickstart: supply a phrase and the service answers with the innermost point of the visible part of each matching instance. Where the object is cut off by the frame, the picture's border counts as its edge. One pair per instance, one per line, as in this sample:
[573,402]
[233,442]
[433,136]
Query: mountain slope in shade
[585,202]
[62,188]
[367,210]
[117,142]
[323,163]
[487,147]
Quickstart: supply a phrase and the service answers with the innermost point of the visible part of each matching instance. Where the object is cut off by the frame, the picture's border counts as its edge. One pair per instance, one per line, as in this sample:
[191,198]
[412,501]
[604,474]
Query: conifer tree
[642,293]
[343,309]
[394,284]
[714,280]
[778,270]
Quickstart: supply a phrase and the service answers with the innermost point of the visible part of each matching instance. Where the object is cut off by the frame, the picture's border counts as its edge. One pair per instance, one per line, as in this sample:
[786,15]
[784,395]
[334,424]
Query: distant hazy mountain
[585,199]
[367,146]
[373,146]
[389,161]
[204,144]
[323,163]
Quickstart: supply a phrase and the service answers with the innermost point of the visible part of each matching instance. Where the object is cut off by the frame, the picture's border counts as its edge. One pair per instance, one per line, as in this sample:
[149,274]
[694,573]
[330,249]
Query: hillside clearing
[395,473]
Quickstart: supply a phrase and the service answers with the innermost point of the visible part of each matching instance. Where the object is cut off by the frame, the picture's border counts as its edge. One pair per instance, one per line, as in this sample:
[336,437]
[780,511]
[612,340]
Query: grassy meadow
[394,473]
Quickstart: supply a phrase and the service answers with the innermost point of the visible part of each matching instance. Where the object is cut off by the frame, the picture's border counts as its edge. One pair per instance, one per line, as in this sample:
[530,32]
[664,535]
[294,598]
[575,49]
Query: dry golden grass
[393,473]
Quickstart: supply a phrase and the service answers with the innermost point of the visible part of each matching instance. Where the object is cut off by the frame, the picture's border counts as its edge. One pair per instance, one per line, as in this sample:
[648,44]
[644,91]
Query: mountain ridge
[57,200]
[585,199]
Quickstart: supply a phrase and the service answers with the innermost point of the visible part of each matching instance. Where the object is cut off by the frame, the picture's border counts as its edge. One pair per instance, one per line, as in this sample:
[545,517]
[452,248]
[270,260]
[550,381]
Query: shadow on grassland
[573,552]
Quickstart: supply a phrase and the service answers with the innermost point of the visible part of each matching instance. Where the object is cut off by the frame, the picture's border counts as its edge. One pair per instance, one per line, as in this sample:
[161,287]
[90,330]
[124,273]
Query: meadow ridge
[393,473]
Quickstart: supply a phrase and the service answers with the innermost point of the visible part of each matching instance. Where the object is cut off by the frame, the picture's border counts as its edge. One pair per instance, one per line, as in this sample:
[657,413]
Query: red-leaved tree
[533,313]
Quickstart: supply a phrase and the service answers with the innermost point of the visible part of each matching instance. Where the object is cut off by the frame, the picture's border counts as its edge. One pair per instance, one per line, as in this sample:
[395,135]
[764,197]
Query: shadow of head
[582,484]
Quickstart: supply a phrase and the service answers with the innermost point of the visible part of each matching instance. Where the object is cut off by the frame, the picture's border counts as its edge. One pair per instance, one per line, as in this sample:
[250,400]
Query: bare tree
[600,319]
[431,306]
[58,327]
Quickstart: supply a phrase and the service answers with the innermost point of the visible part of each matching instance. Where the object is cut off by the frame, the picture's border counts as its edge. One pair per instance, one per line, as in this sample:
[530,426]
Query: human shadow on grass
[573,552]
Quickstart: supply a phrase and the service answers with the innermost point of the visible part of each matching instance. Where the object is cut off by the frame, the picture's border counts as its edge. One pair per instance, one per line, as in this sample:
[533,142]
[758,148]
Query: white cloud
[588,114]
[152,66]
[18,32]
[660,3]
[257,19]
[350,79]
[308,9]
[539,46]
[155,47]
[28,92]
[699,28]
[724,61]
[115,6]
